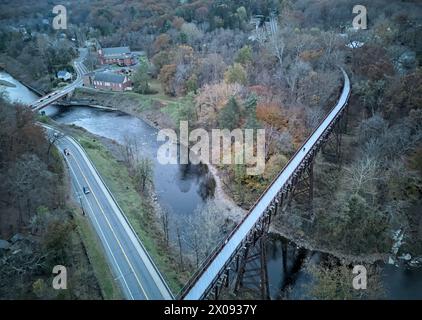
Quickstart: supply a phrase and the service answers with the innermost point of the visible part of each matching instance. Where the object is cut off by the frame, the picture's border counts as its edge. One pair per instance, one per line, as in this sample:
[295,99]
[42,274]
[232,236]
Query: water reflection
[288,278]
[178,187]
[180,190]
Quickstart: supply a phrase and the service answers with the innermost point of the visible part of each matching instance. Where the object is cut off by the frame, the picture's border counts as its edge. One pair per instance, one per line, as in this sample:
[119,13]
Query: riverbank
[141,209]
[307,243]
[145,107]
[18,71]
[151,109]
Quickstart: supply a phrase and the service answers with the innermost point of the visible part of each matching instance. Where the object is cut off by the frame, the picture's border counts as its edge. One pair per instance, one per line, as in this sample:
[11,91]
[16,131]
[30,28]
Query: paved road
[132,266]
[55,95]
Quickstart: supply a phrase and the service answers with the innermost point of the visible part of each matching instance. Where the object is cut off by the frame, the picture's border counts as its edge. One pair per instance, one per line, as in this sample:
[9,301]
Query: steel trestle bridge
[228,260]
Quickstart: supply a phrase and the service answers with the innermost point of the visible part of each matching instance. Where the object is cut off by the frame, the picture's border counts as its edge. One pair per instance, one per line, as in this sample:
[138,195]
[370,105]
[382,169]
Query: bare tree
[333,56]
[193,34]
[205,227]
[143,173]
[164,217]
[294,73]
[276,39]
[179,244]
[362,175]
[130,151]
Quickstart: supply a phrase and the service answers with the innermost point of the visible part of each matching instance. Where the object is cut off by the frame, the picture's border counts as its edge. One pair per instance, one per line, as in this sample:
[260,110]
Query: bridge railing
[206,263]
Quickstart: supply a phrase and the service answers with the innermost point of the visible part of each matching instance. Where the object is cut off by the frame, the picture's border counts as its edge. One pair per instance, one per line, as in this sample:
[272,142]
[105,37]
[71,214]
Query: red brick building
[119,55]
[108,81]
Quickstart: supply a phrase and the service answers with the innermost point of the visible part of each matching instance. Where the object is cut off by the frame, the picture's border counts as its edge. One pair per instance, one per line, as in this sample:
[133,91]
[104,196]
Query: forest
[35,214]
[270,64]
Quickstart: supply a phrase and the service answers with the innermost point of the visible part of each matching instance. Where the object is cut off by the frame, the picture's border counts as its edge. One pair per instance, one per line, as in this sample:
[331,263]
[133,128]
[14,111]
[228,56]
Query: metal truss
[247,265]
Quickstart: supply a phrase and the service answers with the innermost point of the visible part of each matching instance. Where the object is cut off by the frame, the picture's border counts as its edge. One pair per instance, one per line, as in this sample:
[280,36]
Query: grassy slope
[121,185]
[109,288]
[144,101]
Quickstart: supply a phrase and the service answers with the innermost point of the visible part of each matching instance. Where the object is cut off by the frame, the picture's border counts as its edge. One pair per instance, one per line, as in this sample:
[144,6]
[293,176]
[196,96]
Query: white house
[64,75]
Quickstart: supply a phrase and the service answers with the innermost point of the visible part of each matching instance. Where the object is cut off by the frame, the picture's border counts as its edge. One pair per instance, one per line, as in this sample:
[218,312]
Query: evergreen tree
[141,77]
[230,115]
[250,109]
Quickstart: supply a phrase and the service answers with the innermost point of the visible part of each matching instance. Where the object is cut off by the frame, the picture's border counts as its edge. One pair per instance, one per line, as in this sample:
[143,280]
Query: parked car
[86,190]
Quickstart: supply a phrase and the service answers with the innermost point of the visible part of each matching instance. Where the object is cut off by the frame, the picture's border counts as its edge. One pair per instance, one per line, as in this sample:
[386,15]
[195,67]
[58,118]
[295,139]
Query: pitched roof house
[111,81]
[118,55]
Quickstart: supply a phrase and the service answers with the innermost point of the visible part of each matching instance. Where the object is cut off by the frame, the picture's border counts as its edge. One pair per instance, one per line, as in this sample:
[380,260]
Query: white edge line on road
[141,251]
[101,231]
[112,229]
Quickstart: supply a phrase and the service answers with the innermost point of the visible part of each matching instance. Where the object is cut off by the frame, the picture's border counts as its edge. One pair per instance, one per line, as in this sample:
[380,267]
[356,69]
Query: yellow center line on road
[102,232]
[112,230]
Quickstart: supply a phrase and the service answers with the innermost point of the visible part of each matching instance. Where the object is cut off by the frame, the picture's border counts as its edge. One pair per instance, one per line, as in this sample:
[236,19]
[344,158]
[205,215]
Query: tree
[371,95]
[165,222]
[274,166]
[143,173]
[363,62]
[244,56]
[212,99]
[185,109]
[161,43]
[294,73]
[272,114]
[192,33]
[404,95]
[230,115]
[362,176]
[241,14]
[201,13]
[56,239]
[130,151]
[276,41]
[250,111]
[141,78]
[211,69]
[239,173]
[40,288]
[335,282]
[236,74]
[192,84]
[207,187]
[204,229]
[161,59]
[167,74]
